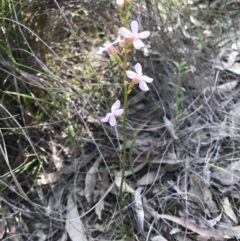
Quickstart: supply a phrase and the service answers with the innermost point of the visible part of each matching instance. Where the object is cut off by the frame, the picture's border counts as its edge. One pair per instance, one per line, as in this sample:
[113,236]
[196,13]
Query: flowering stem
[124,160]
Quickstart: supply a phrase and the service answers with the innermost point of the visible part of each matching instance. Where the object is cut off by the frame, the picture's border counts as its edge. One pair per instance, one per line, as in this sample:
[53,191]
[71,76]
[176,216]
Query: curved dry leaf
[204,232]
[98,209]
[149,211]
[235,69]
[214,221]
[74,225]
[90,181]
[139,209]
[229,211]
[227,86]
[151,177]
[170,127]
[126,187]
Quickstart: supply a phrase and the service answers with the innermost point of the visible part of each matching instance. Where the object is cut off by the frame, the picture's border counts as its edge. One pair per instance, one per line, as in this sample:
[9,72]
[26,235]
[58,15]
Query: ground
[60,165]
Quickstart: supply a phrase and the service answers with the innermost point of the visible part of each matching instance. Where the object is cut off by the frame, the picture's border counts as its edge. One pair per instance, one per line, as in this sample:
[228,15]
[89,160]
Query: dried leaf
[235,68]
[182,237]
[126,187]
[227,86]
[214,221]
[104,185]
[41,235]
[151,177]
[136,169]
[202,194]
[149,211]
[144,159]
[74,225]
[90,181]
[47,178]
[2,227]
[228,210]
[98,209]
[211,233]
[226,176]
[233,232]
[158,238]
[170,127]
[185,223]
[207,175]
[139,209]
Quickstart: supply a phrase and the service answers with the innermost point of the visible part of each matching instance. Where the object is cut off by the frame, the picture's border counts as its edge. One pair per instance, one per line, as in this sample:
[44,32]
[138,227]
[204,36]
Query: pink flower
[115,111]
[139,78]
[109,46]
[133,35]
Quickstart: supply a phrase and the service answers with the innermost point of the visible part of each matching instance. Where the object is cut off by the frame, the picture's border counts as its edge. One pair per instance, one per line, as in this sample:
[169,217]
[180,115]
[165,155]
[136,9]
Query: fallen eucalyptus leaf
[74,225]
[90,181]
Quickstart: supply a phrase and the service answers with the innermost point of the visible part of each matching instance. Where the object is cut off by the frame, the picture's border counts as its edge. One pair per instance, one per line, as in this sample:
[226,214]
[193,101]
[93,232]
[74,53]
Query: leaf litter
[188,188]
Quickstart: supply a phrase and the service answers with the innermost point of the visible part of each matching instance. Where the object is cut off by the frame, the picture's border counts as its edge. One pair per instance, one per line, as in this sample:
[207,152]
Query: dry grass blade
[74,225]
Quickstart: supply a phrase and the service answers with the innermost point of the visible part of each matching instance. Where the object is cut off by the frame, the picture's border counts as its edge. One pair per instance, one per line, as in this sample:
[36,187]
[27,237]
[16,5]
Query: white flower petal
[125,32]
[134,26]
[131,74]
[106,118]
[143,86]
[101,50]
[144,34]
[138,43]
[146,79]
[118,112]
[117,40]
[112,120]
[115,106]
[138,68]
[120,2]
[107,44]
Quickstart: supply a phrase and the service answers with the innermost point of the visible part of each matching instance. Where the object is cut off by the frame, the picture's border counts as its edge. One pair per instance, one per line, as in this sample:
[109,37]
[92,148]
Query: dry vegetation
[59,164]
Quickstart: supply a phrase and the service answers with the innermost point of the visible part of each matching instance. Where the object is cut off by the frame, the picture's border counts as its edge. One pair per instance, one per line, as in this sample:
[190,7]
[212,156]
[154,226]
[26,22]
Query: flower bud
[120,3]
